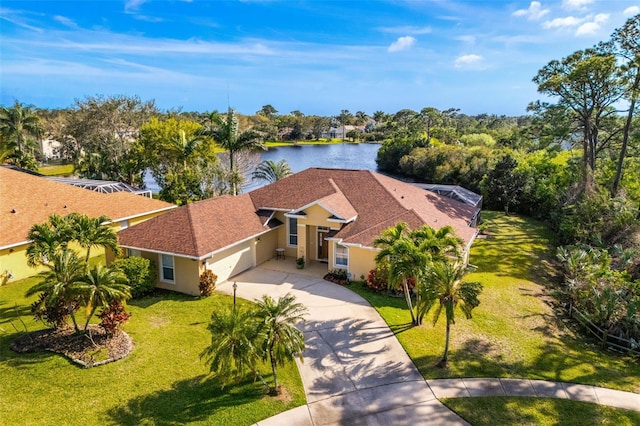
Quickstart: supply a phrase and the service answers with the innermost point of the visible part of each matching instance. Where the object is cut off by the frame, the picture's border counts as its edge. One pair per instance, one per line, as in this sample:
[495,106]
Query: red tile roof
[376,201]
[26,200]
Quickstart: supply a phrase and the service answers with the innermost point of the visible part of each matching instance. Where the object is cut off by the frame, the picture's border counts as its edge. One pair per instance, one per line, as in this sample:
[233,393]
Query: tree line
[573,163]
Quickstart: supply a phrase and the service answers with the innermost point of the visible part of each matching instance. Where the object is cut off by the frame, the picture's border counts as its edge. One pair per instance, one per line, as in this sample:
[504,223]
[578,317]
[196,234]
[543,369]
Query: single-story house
[326,215]
[27,199]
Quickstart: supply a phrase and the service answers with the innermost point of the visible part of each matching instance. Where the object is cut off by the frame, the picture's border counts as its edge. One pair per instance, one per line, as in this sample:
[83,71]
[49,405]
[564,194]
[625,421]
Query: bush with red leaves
[113,317]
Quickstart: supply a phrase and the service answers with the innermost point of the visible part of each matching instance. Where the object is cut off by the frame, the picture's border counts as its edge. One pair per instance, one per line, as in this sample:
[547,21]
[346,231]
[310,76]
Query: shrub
[141,273]
[207,283]
[55,316]
[113,317]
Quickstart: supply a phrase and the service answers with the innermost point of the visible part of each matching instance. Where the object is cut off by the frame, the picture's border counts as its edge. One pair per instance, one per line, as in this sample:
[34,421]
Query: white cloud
[590,28]
[402,43]
[569,21]
[576,4]
[533,13]
[631,11]
[131,6]
[407,29]
[468,61]
[67,22]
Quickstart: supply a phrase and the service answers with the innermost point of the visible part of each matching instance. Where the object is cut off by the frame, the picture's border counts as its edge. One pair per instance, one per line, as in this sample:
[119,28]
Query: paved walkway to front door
[354,371]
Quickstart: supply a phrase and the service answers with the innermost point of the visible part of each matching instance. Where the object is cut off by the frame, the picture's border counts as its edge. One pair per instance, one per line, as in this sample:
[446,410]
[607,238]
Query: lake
[338,156]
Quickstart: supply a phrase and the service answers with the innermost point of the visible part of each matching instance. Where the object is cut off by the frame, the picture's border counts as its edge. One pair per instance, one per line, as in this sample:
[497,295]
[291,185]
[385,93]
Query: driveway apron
[354,371]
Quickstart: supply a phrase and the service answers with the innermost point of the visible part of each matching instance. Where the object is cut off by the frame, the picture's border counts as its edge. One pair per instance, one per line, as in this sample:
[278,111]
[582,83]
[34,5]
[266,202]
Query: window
[133,252]
[124,224]
[293,231]
[167,268]
[342,256]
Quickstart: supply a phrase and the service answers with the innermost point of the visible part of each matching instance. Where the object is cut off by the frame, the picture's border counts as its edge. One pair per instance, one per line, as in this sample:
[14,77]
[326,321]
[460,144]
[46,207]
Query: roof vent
[65,206]
[14,211]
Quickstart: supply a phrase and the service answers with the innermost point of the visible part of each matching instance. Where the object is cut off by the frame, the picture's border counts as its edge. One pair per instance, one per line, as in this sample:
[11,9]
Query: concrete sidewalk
[465,388]
[355,371]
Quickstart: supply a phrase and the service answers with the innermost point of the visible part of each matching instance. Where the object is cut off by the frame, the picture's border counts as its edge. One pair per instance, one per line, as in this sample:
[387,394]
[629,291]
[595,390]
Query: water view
[343,156]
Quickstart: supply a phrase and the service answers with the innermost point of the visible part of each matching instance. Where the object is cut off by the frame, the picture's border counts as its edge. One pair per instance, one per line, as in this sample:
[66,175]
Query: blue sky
[314,56]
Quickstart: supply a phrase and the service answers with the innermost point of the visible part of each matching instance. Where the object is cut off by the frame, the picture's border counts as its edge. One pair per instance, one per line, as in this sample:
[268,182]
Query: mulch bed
[332,278]
[86,349]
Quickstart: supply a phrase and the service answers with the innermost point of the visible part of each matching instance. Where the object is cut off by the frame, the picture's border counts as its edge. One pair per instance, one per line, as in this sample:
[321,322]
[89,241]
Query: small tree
[233,349]
[281,340]
[446,291]
[99,287]
[504,184]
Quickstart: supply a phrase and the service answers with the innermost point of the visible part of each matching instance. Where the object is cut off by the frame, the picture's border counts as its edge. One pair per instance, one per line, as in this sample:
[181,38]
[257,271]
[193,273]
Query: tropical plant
[281,340]
[99,287]
[47,238]
[113,317]
[271,171]
[233,349]
[446,291]
[91,232]
[18,124]
[226,133]
[409,254]
[65,270]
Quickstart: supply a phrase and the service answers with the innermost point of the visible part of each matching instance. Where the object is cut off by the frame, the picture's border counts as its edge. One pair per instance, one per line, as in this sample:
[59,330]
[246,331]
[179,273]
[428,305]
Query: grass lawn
[57,170]
[492,411]
[515,331]
[163,381]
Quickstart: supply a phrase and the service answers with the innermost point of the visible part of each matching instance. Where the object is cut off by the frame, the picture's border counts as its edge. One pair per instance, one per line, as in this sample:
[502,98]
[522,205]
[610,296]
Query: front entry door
[323,246]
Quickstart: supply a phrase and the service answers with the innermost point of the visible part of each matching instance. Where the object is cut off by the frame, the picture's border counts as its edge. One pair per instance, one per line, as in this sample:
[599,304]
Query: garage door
[232,261]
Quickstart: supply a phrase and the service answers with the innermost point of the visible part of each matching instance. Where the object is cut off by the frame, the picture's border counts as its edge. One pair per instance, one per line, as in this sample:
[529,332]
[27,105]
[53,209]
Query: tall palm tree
[271,171]
[183,147]
[92,232]
[18,123]
[226,132]
[446,291]
[439,244]
[282,340]
[233,348]
[46,238]
[65,269]
[99,287]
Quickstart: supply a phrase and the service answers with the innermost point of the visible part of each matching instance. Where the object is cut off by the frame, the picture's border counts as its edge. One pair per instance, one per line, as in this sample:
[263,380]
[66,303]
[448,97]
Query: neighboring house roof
[367,203]
[199,229]
[26,200]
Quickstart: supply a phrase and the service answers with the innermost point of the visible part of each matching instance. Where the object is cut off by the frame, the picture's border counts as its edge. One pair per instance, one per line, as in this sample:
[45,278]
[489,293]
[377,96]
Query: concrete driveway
[355,372]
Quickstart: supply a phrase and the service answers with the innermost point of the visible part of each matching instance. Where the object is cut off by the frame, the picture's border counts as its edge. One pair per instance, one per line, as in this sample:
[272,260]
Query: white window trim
[289,232]
[335,256]
[173,266]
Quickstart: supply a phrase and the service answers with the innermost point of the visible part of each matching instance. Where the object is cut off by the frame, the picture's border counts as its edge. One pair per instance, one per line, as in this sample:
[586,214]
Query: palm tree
[183,148]
[439,244]
[271,171]
[92,232]
[233,347]
[65,269]
[99,287]
[446,291]
[46,238]
[19,122]
[225,131]
[282,340]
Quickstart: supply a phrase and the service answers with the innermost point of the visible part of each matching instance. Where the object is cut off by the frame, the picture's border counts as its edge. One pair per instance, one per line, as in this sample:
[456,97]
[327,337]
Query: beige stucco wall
[361,261]
[186,273]
[266,247]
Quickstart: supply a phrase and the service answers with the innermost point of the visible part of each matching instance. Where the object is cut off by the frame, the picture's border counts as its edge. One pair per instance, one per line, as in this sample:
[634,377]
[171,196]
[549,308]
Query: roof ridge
[192,228]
